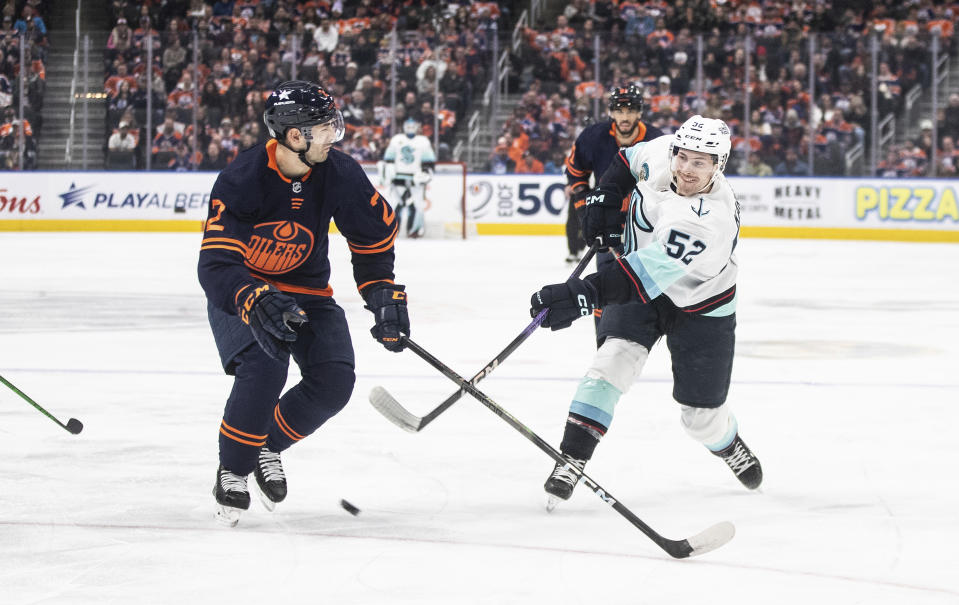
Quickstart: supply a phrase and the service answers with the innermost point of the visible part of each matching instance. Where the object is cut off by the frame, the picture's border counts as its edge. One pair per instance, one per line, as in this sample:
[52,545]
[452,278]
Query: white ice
[845,384]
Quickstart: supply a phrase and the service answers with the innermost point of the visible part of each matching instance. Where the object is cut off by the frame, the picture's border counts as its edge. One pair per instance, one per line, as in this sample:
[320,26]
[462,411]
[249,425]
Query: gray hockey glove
[273,317]
[388,304]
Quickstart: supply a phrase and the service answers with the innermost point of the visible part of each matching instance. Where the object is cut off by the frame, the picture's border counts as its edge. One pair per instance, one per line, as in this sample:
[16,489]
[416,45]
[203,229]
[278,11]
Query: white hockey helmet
[411,127]
[706,135]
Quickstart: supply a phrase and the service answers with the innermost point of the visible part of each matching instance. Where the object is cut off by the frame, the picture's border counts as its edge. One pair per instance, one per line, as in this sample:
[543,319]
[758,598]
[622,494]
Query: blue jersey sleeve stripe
[654,269]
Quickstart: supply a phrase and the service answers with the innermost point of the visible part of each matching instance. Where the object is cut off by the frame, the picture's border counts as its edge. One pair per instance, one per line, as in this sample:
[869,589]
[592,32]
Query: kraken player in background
[407,167]
[265,268]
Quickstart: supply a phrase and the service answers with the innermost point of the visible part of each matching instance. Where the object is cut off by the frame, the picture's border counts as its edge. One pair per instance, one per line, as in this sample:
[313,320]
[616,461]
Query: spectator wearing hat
[499,160]
[122,139]
[664,105]
[924,139]
[120,40]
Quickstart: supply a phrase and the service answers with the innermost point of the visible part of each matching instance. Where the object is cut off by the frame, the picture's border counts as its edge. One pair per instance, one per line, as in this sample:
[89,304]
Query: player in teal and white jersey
[407,167]
[677,278]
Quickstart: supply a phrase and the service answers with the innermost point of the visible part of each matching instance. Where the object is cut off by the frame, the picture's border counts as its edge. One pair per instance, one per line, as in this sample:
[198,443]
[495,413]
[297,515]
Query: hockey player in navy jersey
[593,152]
[679,267]
[265,268]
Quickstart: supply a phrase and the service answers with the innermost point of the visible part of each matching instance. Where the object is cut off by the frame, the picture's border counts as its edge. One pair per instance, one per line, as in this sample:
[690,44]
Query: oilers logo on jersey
[279,247]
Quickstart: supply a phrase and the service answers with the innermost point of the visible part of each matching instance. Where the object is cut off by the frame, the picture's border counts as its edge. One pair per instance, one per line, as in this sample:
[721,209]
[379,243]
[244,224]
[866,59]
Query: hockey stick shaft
[387,405]
[73,425]
[709,539]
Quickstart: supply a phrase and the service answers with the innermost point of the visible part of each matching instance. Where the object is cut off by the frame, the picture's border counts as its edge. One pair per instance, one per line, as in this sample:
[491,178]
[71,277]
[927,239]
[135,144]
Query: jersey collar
[271,154]
[640,133]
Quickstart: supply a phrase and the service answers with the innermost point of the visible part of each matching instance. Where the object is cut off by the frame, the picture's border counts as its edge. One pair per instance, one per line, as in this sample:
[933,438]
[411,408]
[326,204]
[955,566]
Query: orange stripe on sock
[284,426]
[243,441]
[239,432]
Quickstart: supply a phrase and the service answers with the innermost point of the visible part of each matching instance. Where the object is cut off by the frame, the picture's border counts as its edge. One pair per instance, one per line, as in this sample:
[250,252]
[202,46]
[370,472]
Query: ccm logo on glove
[273,317]
[388,304]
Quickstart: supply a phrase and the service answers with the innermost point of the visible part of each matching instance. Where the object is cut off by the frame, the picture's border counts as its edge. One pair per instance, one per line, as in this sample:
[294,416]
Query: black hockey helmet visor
[303,105]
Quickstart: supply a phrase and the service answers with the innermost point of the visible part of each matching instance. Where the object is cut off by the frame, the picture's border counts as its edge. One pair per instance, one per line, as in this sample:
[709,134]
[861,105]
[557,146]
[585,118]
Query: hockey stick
[705,541]
[387,405]
[73,425]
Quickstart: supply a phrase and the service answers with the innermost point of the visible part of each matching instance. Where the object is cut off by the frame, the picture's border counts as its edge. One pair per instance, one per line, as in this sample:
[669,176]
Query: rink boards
[793,207]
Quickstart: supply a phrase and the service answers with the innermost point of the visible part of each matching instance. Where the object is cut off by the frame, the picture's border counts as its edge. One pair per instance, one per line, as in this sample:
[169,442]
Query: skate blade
[227,515]
[268,504]
[551,502]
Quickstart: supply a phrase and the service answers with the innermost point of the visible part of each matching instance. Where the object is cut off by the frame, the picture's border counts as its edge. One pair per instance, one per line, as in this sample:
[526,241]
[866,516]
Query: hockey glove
[423,177]
[577,204]
[603,218]
[566,302]
[388,304]
[273,317]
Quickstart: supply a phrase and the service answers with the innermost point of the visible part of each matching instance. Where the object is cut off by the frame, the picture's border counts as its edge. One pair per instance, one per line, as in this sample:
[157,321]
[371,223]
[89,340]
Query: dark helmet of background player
[626,97]
[303,105]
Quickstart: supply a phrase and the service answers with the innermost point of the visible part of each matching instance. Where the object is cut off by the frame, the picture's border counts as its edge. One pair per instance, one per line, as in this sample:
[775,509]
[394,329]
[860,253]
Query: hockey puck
[349,508]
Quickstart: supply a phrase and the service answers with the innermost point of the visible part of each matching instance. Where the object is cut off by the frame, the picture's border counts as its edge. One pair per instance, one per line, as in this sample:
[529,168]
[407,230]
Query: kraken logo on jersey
[700,212]
[279,247]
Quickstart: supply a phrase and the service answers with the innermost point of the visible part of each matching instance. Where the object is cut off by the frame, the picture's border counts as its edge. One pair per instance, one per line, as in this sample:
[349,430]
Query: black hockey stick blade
[387,405]
[703,542]
[73,425]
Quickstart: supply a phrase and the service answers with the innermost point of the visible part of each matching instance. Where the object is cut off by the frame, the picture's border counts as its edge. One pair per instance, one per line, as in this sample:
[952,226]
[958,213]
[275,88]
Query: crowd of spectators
[23,25]
[246,47]
[653,44]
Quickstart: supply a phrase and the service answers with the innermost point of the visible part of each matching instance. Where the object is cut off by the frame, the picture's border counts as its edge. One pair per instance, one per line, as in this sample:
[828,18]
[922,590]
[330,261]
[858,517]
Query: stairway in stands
[61,26]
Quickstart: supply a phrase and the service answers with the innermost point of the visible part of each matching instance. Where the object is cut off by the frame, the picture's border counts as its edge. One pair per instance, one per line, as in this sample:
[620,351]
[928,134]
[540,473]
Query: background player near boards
[264,266]
[593,152]
[407,168]
[679,264]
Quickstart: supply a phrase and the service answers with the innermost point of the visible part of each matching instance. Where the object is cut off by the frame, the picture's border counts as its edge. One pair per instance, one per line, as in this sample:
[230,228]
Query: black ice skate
[232,496]
[270,478]
[562,480]
[742,462]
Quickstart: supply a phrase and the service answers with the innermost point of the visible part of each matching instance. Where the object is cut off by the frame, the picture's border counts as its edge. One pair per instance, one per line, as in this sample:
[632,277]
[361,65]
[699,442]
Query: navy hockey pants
[255,413]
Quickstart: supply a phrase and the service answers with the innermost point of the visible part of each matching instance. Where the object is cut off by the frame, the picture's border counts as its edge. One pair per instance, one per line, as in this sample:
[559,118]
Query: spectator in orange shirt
[529,164]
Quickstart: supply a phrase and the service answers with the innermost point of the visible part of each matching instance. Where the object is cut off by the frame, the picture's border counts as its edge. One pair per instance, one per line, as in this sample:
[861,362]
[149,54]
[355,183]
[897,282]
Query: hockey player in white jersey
[678,268]
[407,166]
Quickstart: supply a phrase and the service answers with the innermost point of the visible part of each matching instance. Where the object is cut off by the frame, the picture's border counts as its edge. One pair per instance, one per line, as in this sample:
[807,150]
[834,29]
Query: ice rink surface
[845,385]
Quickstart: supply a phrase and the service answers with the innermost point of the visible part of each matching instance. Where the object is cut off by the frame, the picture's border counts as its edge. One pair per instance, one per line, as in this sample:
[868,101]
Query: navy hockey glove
[566,302]
[603,218]
[273,317]
[577,202]
[388,304]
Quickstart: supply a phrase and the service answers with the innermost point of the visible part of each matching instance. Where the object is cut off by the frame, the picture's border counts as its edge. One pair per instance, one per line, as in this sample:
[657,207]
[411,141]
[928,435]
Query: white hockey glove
[422,178]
